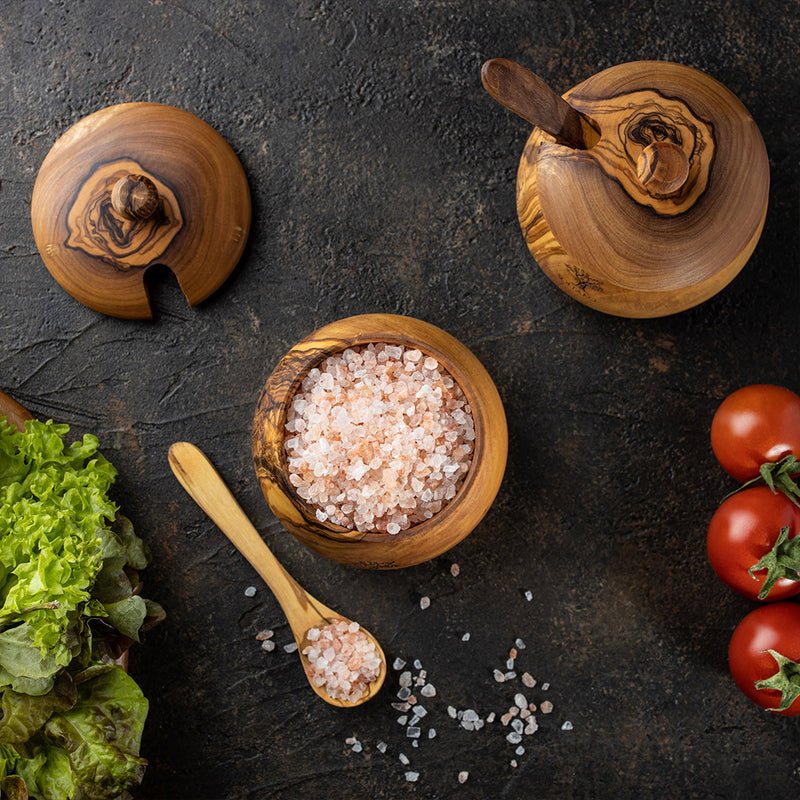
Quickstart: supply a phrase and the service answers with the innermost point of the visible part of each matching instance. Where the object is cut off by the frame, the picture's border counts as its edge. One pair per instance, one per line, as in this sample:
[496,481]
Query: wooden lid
[675,190]
[134,185]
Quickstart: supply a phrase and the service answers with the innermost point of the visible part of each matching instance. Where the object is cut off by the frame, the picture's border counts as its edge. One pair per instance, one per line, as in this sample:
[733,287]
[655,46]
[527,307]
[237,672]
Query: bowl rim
[487,463]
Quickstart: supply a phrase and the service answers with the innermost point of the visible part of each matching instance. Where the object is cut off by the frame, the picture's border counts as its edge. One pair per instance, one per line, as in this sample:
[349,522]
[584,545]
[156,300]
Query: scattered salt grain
[404,759]
[519,644]
[268,645]
[528,595]
[520,700]
[429,690]
[498,676]
[402,720]
[413,732]
[250,591]
[452,712]
[291,647]
[357,747]
[398,664]
[382,747]
[513,762]
[424,602]
[520,751]
[528,680]
[546,707]
[343,660]
[262,636]
[431,733]
[377,441]
[455,570]
[412,777]
[463,776]
[567,726]
[465,637]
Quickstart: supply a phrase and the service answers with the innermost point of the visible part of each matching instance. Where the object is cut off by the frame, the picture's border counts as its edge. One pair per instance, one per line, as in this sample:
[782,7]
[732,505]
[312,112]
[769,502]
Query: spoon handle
[14,413]
[528,96]
[204,485]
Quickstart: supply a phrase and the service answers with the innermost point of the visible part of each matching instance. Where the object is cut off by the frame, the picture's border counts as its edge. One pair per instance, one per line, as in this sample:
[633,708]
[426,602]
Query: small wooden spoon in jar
[197,475]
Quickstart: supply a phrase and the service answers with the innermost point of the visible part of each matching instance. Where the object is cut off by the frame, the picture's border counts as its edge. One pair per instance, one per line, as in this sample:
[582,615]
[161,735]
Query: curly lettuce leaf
[102,734]
[53,506]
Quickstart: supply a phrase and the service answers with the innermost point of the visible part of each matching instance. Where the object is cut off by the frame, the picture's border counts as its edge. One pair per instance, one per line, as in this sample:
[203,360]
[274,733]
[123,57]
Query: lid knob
[135,197]
[662,168]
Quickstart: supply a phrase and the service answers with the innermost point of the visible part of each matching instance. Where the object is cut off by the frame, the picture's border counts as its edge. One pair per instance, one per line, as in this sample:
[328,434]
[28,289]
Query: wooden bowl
[664,209]
[424,540]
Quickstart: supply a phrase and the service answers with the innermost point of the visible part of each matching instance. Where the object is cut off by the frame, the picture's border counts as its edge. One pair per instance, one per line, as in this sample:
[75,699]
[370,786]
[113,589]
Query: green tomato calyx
[779,476]
[786,680]
[783,561]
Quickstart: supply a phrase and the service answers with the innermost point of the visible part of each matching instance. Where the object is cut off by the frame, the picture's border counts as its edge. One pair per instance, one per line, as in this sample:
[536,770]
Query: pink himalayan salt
[342,658]
[378,438]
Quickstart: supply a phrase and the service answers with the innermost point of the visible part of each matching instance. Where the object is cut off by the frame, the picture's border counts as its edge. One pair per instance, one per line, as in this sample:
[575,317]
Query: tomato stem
[786,680]
[779,476]
[783,561]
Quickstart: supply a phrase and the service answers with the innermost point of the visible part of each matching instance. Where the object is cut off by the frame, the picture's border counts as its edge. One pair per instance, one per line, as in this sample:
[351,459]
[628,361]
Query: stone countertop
[382,179]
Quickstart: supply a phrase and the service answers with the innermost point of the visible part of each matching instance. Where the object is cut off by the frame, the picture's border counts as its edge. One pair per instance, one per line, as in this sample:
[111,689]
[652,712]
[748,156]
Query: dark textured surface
[383,180]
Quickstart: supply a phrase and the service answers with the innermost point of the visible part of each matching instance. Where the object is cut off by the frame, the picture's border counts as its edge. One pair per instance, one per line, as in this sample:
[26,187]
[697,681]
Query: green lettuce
[70,604]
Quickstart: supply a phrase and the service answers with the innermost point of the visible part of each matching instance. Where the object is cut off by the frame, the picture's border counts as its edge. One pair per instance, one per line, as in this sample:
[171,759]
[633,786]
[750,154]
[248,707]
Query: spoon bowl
[204,485]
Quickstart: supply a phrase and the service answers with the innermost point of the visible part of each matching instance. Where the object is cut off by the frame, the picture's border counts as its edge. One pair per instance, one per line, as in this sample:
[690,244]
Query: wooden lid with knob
[135,185]
[664,208]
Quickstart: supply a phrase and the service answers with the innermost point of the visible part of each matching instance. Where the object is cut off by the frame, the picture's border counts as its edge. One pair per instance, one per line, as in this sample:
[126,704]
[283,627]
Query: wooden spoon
[197,475]
[528,96]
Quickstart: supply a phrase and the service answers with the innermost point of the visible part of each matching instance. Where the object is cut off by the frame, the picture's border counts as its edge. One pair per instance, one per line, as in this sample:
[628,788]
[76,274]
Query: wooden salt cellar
[644,193]
[420,542]
[135,185]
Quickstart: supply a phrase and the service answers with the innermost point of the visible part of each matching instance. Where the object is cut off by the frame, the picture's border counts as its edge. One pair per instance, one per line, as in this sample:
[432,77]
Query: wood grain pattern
[646,249]
[197,475]
[420,542]
[99,252]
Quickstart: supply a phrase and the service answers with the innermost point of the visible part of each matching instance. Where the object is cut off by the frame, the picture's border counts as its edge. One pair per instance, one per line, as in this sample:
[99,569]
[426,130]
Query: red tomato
[743,530]
[753,426]
[773,627]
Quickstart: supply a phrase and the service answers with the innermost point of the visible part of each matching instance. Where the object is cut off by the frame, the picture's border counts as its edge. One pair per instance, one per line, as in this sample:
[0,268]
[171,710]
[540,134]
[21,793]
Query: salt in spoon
[197,475]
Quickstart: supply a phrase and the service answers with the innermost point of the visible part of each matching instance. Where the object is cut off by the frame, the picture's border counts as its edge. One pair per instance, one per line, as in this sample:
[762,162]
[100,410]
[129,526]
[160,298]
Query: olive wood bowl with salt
[423,540]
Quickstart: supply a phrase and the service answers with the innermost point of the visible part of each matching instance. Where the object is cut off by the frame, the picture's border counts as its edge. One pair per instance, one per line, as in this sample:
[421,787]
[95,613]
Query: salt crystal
[546,707]
[531,727]
[417,664]
[404,759]
[519,644]
[455,570]
[424,602]
[452,712]
[402,720]
[513,763]
[411,777]
[520,701]
[463,776]
[357,747]
[528,680]
[381,746]
[268,645]
[262,636]
[510,675]
[567,726]
[520,751]
[291,647]
[545,687]
[491,716]
[498,676]
[465,637]
[413,732]
[470,715]
[420,711]
[429,690]
[514,737]
[431,733]
[398,664]
[529,595]
[250,591]
[518,725]
[405,679]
